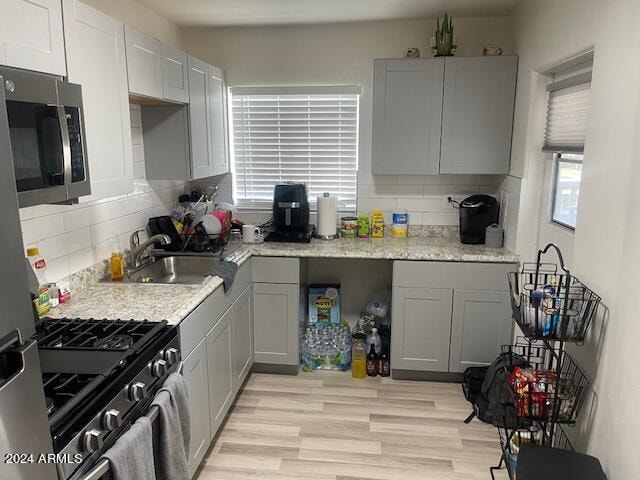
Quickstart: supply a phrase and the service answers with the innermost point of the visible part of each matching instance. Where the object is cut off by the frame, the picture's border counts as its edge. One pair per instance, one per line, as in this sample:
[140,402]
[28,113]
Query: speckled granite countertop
[427,248]
[155,302]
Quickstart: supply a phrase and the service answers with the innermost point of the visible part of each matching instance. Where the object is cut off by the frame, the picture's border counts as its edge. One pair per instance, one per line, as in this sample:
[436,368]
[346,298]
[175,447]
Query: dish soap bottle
[116,265]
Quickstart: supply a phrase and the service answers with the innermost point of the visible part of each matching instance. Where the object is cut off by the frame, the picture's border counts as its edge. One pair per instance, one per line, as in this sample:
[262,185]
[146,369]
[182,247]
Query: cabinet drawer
[455,275]
[276,270]
[192,330]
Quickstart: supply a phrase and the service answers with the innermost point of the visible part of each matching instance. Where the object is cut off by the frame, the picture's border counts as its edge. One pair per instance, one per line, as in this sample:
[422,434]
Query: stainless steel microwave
[47,136]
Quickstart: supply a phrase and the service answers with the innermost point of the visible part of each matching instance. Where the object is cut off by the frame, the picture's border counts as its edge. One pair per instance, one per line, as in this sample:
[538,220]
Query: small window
[566,189]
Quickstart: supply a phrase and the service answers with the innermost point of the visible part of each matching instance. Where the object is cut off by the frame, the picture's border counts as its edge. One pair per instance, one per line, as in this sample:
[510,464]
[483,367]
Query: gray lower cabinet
[219,369]
[421,322]
[407,115]
[242,337]
[481,324]
[477,114]
[275,323]
[194,371]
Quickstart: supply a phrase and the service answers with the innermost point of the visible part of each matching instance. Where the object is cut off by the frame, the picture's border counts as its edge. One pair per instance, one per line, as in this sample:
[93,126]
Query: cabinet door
[481,324]
[195,374]
[219,370]
[174,75]
[407,116]
[198,119]
[31,35]
[242,337]
[96,60]
[275,325]
[217,100]
[421,329]
[144,64]
[477,119]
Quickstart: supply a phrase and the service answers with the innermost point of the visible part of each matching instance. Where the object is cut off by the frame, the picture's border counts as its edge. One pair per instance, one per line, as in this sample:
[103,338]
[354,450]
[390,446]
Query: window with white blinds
[567,114]
[300,134]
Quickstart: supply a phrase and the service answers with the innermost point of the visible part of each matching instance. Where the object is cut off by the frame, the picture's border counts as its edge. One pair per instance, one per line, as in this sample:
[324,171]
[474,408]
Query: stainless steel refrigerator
[25,439]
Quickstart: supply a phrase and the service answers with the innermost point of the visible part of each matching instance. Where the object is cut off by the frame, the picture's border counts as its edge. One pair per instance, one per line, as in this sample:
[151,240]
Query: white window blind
[567,114]
[301,134]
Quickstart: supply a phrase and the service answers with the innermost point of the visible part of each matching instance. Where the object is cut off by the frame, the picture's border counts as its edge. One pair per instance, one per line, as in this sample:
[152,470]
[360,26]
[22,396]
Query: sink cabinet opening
[361,281]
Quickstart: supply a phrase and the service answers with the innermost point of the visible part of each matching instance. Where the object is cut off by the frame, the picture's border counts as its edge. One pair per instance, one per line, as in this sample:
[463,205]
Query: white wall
[339,54]
[74,237]
[605,247]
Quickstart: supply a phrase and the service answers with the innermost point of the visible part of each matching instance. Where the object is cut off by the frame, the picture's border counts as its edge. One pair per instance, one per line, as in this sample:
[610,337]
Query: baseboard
[448,377]
[275,369]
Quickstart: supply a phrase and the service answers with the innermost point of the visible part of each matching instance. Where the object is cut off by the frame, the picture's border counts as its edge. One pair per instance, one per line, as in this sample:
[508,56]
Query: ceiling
[289,12]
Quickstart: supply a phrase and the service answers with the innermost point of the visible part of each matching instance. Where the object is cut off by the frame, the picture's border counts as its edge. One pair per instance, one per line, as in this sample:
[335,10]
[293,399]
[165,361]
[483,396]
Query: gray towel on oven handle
[175,435]
[131,456]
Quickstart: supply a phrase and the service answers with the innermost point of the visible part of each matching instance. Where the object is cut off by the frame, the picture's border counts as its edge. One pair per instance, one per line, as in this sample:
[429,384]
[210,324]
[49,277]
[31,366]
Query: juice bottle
[358,357]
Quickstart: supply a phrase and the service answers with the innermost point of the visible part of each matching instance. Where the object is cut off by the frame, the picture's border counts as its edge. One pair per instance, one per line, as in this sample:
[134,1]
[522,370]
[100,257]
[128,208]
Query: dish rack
[199,242]
[551,307]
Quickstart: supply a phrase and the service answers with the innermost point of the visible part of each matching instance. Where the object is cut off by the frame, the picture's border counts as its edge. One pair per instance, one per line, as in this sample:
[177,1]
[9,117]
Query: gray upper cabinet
[421,329]
[175,86]
[449,115]
[407,114]
[201,164]
[481,324]
[189,143]
[31,35]
[144,63]
[217,107]
[477,118]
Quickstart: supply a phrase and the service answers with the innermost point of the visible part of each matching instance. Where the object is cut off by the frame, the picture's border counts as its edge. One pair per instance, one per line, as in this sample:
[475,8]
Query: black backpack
[489,392]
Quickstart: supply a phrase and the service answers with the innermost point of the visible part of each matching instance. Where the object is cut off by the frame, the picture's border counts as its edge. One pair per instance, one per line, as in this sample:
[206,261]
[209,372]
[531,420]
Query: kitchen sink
[185,270]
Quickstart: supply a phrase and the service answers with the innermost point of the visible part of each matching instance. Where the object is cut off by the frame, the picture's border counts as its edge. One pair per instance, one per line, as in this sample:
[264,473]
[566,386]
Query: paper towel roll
[327,215]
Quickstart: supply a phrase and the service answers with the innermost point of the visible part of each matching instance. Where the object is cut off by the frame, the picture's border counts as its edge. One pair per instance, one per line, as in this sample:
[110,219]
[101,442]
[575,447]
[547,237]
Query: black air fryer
[290,214]
[477,212]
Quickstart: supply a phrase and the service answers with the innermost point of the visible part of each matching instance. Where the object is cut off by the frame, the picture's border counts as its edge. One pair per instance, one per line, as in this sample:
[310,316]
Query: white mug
[251,234]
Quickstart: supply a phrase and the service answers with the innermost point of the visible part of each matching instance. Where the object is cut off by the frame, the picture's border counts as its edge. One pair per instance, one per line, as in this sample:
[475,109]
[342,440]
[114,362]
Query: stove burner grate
[116,341]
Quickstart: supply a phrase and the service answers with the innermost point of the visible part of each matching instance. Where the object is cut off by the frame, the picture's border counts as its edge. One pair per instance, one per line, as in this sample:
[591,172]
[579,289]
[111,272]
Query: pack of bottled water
[326,346]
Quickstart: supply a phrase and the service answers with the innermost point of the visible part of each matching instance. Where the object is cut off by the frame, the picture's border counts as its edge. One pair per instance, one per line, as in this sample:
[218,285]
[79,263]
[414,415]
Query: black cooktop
[81,357]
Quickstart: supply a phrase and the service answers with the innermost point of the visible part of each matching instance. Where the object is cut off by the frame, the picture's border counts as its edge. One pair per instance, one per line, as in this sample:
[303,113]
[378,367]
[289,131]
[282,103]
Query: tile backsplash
[423,196]
[74,237]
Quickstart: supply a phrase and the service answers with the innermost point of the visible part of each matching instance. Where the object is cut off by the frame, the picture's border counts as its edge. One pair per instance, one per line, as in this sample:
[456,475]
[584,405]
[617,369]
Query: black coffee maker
[477,212]
[290,214]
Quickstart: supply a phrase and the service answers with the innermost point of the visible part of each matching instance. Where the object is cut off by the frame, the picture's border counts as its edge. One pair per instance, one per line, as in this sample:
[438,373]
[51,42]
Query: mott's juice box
[324,303]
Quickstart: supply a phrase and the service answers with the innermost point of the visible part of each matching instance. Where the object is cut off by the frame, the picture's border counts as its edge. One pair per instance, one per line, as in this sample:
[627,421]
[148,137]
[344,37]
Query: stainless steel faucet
[138,250]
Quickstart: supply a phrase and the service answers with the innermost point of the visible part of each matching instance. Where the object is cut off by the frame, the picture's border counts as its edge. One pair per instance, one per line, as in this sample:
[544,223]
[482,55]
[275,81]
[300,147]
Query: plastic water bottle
[375,340]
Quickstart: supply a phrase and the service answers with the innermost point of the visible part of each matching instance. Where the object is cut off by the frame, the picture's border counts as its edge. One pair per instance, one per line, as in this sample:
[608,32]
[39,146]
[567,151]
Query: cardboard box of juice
[324,303]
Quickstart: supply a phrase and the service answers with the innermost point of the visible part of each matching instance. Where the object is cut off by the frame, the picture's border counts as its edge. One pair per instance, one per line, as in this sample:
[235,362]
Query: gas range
[99,376]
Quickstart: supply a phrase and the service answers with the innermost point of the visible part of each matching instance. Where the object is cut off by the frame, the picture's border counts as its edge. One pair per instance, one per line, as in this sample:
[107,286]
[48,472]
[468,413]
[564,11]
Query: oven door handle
[66,143]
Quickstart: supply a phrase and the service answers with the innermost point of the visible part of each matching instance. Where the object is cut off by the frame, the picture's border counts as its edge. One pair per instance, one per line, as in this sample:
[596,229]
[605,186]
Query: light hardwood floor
[329,426]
